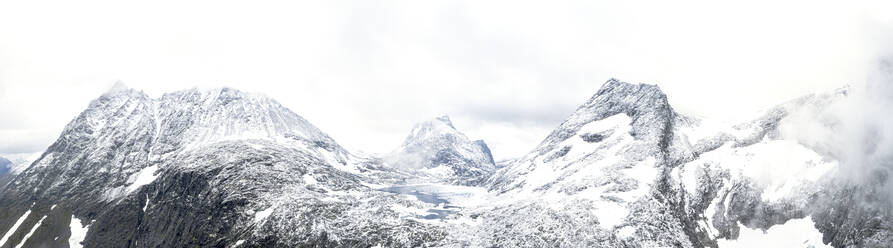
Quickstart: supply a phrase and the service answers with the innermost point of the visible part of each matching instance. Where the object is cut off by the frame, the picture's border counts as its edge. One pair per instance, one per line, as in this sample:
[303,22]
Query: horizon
[120,84]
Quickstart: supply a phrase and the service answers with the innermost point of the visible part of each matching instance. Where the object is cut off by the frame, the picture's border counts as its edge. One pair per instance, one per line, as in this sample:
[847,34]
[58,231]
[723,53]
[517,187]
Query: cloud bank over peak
[507,72]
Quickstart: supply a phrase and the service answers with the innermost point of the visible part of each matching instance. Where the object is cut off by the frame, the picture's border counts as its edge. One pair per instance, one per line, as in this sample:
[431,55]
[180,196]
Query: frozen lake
[447,199]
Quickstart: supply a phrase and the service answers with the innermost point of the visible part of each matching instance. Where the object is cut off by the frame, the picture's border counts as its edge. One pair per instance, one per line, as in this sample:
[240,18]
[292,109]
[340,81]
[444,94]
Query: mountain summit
[633,117]
[435,149]
[191,168]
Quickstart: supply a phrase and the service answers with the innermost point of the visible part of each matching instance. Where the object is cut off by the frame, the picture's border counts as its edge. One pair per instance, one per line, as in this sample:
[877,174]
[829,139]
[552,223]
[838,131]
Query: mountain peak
[645,104]
[446,120]
[119,85]
[616,88]
[432,128]
[436,146]
[193,118]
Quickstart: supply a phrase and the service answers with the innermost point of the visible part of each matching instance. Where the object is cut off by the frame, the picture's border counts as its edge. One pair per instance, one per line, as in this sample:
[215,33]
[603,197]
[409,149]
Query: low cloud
[857,131]
[25,141]
[363,72]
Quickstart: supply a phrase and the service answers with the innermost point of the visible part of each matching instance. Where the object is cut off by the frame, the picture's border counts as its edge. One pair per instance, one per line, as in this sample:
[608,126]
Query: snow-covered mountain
[437,151]
[224,168]
[12,166]
[196,168]
[643,175]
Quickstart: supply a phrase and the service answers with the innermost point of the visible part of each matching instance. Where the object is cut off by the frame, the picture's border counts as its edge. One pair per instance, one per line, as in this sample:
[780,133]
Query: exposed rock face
[223,168]
[436,150]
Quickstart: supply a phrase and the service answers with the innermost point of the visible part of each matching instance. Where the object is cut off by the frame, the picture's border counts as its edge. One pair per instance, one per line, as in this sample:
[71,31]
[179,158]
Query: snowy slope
[643,175]
[603,167]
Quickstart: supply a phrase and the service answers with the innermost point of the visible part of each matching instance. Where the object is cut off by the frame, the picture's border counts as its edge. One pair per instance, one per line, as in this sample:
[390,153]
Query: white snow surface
[78,233]
[778,166]
[626,232]
[143,177]
[611,180]
[14,228]
[309,180]
[793,233]
[146,206]
[28,236]
[263,214]
[545,172]
[21,161]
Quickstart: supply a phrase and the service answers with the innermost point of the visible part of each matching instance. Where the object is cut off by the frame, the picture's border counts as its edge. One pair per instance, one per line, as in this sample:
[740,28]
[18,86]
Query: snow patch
[78,233]
[644,172]
[143,177]
[626,232]
[688,176]
[309,180]
[147,203]
[610,214]
[409,210]
[14,227]
[439,171]
[611,122]
[28,236]
[464,220]
[619,126]
[778,166]
[239,243]
[793,233]
[261,215]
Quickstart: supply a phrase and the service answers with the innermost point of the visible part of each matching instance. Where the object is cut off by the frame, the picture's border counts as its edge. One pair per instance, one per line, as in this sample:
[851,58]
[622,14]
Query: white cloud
[387,65]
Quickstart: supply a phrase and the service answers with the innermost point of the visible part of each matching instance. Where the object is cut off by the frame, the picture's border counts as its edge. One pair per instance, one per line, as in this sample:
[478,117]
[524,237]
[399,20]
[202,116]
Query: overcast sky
[365,72]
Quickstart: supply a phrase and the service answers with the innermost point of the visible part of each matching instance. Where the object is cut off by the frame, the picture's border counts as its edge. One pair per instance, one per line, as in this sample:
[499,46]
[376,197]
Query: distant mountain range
[225,168]
[5,166]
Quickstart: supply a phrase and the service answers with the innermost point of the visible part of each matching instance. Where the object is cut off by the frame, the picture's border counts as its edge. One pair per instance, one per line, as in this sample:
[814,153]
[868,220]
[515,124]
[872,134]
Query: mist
[854,127]
[365,72]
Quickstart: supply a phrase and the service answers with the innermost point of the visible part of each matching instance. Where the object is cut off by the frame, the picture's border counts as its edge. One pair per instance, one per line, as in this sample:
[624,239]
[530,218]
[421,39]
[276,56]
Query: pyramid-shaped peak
[645,104]
[617,96]
[118,87]
[614,86]
[436,143]
[446,120]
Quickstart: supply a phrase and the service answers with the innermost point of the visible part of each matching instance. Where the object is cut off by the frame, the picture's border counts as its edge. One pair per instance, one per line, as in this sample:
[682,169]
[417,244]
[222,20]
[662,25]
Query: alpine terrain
[225,168]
